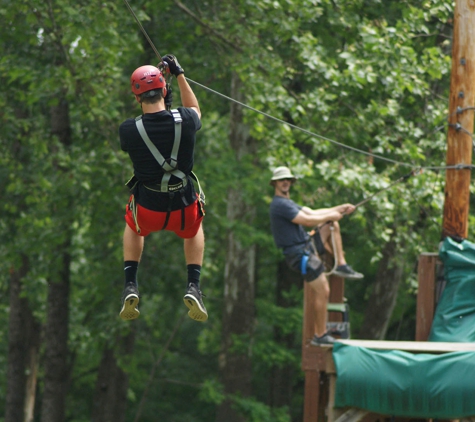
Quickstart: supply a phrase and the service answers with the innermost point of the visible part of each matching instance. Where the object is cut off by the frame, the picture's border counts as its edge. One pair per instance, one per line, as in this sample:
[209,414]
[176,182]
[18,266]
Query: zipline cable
[316,135]
[312,134]
[332,229]
[143,30]
[401,179]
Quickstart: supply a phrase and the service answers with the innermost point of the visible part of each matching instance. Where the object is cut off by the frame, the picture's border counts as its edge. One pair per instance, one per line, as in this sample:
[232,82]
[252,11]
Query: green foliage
[371,75]
[256,411]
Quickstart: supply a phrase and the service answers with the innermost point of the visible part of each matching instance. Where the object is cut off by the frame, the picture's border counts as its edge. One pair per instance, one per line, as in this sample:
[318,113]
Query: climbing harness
[312,233]
[170,168]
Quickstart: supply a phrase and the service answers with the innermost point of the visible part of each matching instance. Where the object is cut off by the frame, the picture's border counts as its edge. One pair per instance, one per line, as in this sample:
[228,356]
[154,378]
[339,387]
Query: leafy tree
[363,74]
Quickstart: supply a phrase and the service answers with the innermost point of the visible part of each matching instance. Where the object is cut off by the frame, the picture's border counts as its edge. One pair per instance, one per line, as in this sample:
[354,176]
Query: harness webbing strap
[169,168]
[164,182]
[133,208]
[176,143]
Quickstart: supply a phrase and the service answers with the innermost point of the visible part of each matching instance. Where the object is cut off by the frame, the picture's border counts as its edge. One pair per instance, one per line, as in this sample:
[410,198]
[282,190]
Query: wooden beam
[459,134]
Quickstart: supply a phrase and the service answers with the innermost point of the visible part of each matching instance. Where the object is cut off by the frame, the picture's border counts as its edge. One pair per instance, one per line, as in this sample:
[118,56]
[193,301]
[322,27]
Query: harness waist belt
[171,188]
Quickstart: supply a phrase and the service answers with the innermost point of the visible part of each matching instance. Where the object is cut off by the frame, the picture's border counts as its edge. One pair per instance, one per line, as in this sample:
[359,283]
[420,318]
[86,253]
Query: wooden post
[314,359]
[426,271]
[312,375]
[461,111]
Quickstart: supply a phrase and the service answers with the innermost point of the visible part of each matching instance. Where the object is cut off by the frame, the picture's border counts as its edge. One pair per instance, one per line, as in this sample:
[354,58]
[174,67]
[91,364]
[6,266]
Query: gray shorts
[310,268]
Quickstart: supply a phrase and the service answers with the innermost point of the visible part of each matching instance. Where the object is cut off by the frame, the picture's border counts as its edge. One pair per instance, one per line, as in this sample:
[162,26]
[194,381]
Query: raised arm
[188,98]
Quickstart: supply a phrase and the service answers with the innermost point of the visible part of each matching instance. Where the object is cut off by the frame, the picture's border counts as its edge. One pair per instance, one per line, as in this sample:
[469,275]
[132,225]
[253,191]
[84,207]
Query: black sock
[194,273]
[130,270]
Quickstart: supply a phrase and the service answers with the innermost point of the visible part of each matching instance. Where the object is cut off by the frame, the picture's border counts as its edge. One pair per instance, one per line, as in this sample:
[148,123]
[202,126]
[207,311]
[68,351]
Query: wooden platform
[317,362]
[320,358]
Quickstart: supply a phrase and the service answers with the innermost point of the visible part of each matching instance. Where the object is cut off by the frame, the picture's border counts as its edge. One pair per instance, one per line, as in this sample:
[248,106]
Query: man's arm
[308,217]
[188,98]
[315,219]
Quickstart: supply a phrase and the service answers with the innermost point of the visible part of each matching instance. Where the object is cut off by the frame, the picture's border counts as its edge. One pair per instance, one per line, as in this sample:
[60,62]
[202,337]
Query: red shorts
[153,221]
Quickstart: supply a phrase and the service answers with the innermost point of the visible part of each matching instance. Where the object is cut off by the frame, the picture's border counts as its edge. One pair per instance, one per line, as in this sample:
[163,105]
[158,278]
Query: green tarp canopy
[454,319]
[422,385]
[393,382]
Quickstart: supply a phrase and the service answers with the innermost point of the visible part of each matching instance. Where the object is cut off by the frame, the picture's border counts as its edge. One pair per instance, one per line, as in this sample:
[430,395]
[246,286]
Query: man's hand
[345,209]
[172,64]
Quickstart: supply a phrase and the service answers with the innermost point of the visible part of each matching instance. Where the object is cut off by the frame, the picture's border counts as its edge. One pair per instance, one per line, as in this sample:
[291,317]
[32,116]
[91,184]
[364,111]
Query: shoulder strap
[169,168]
[176,143]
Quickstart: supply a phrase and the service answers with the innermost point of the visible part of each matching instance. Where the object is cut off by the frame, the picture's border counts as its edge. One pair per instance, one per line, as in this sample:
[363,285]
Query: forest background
[372,75]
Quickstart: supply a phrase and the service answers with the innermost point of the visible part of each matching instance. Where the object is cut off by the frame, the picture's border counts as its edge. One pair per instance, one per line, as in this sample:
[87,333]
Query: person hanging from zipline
[161,144]
[301,250]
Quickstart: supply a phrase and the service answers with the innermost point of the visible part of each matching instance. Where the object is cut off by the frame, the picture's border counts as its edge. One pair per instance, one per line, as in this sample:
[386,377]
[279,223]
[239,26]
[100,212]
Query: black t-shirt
[160,128]
[288,236]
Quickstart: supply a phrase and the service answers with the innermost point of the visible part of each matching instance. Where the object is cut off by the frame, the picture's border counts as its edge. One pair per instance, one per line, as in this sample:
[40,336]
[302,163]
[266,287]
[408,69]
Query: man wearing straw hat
[301,254]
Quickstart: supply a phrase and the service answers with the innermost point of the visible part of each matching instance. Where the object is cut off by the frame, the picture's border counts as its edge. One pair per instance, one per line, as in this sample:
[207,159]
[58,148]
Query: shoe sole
[129,309]
[196,311]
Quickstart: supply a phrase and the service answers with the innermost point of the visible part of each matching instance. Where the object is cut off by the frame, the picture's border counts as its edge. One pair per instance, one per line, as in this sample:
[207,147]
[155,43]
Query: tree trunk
[23,345]
[56,360]
[383,298]
[110,397]
[239,284]
[56,348]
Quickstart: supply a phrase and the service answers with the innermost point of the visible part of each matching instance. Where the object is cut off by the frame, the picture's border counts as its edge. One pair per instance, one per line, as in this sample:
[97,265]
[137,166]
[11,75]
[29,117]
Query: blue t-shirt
[288,236]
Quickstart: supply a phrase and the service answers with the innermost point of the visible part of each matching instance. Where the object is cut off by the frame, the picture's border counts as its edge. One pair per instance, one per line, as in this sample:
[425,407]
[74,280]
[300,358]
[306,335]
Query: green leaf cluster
[367,74]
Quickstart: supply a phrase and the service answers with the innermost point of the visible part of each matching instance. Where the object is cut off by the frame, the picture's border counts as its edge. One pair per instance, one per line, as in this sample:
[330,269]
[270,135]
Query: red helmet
[146,78]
